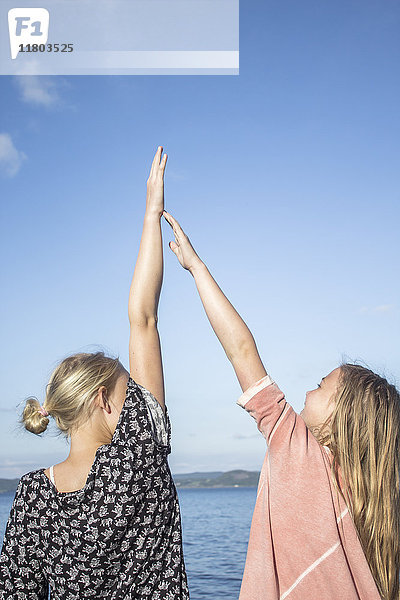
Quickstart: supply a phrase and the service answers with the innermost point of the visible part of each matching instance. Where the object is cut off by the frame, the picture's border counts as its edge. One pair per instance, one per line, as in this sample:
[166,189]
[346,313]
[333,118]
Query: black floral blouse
[117,537]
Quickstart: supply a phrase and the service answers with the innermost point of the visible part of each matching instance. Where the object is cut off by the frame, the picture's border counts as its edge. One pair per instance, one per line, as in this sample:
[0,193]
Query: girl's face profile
[319,402]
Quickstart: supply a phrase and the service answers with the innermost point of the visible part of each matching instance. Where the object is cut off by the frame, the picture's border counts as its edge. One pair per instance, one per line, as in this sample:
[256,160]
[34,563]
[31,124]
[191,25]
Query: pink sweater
[303,544]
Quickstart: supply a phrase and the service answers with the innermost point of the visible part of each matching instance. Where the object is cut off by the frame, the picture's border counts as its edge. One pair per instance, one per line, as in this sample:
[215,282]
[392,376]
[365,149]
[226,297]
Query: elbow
[241,351]
[143,320]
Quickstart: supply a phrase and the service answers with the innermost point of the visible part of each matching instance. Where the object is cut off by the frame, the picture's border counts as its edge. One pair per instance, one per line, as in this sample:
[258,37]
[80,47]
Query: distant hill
[8,485]
[198,475]
[237,478]
[211,479]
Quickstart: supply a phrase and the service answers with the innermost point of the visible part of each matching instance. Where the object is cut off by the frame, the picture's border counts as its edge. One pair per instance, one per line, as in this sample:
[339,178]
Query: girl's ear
[102,399]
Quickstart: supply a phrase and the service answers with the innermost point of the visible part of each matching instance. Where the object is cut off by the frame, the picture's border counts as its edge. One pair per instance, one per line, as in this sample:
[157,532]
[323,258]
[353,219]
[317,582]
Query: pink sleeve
[275,417]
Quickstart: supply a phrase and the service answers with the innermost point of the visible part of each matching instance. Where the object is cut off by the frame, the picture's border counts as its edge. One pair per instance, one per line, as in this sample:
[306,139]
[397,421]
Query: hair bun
[34,416]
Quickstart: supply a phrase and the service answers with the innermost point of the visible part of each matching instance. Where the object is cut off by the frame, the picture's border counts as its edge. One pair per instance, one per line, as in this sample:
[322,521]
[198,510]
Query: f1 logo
[27,25]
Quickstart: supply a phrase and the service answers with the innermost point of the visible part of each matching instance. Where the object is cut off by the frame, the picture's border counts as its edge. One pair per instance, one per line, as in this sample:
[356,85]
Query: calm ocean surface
[216,526]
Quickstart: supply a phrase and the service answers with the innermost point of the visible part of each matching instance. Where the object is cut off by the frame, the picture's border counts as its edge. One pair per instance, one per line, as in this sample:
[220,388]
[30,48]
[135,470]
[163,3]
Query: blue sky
[286,180]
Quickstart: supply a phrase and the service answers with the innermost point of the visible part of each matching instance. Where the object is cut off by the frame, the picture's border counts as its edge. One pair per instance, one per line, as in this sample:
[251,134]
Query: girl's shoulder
[29,482]
[27,491]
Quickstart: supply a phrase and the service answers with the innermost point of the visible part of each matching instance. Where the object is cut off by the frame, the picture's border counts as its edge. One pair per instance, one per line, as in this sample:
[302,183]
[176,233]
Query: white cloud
[38,89]
[177,175]
[381,308]
[241,436]
[8,462]
[10,158]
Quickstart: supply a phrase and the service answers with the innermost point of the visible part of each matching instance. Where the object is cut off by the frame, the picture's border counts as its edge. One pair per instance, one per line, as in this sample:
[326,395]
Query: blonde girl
[326,523]
[105,522]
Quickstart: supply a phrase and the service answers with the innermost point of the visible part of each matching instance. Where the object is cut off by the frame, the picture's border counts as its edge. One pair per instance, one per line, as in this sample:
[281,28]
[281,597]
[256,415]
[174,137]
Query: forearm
[148,274]
[227,324]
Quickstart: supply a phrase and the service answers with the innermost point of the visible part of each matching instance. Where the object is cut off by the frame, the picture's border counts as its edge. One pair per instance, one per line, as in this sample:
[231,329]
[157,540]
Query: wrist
[197,267]
[153,214]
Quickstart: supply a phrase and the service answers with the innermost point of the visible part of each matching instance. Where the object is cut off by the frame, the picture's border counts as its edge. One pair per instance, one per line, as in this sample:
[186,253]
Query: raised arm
[145,362]
[229,327]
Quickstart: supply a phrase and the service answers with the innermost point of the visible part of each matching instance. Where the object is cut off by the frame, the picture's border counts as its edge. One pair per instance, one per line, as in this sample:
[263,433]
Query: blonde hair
[72,387]
[364,437]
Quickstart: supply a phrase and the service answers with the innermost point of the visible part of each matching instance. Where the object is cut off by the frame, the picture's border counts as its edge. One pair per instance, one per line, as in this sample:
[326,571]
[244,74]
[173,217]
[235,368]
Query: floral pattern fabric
[119,537]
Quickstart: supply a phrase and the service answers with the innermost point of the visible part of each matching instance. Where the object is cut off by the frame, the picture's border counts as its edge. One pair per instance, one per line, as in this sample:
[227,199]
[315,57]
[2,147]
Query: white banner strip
[160,59]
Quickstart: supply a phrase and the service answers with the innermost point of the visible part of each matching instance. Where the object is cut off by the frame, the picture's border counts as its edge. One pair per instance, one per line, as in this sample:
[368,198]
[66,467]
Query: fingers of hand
[173,222]
[180,235]
[156,161]
[173,229]
[164,162]
[167,217]
[153,164]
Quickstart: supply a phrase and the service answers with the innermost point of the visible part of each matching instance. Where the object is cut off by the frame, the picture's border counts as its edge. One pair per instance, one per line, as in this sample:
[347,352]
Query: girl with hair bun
[326,523]
[104,523]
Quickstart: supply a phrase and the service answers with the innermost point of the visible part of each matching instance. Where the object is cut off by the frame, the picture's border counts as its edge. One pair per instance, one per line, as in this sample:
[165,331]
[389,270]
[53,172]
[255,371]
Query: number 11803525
[46,48]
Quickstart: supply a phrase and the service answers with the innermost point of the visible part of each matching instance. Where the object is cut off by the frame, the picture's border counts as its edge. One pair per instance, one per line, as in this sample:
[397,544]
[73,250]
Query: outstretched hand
[181,247]
[155,183]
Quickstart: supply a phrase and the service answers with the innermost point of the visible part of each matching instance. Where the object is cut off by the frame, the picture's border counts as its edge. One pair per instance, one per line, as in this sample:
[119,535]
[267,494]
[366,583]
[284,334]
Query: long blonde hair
[363,434]
[70,391]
